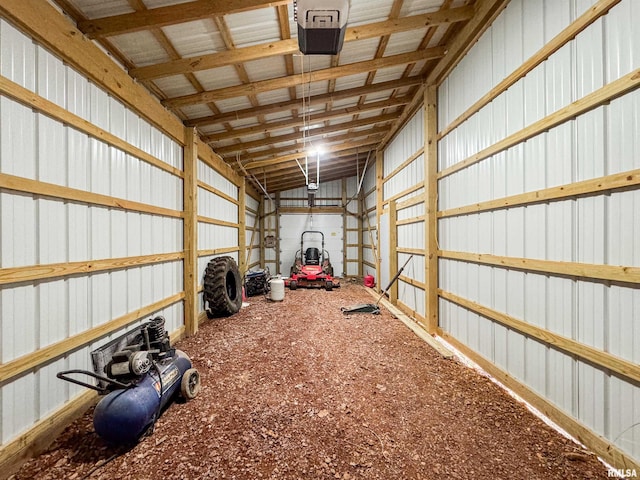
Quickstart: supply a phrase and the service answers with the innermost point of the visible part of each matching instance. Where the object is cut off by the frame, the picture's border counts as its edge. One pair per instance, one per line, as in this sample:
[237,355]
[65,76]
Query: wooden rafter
[315,76]
[170,15]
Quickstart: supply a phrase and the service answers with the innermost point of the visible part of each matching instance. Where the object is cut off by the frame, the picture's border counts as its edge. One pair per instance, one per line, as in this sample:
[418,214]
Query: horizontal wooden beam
[403,193]
[416,328]
[412,281]
[42,434]
[369,141]
[325,98]
[326,175]
[411,202]
[290,46]
[215,161]
[611,273]
[217,192]
[13,368]
[616,181]
[326,142]
[217,251]
[605,360]
[34,187]
[601,446]
[299,137]
[555,44]
[52,110]
[58,270]
[41,20]
[404,164]
[486,11]
[170,15]
[602,96]
[410,221]
[314,76]
[318,209]
[299,122]
[215,221]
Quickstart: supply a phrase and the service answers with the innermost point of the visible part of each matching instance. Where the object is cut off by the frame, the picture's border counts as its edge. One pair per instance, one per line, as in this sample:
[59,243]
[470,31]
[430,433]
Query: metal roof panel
[253,27]
[199,37]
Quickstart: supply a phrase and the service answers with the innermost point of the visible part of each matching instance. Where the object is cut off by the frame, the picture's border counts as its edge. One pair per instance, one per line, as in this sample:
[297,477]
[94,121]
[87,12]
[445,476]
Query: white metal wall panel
[211,237]
[211,205]
[599,229]
[409,141]
[214,179]
[369,223]
[18,62]
[38,230]
[252,220]
[406,145]
[291,228]
[328,194]
[622,40]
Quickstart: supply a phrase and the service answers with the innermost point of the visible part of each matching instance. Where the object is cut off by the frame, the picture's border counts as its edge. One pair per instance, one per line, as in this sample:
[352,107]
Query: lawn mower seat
[312,256]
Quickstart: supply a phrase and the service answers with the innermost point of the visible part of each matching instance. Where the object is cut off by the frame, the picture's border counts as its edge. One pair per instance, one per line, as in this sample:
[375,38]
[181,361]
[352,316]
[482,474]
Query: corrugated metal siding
[408,144]
[252,221]
[369,222]
[38,230]
[597,229]
[217,208]
[352,224]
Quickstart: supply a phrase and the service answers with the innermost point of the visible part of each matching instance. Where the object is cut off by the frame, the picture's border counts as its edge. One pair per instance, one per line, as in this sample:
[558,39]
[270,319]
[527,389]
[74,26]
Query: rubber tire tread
[223,298]
[188,391]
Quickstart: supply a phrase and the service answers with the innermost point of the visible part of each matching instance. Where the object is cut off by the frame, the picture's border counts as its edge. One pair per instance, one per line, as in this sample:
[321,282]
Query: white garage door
[291,228]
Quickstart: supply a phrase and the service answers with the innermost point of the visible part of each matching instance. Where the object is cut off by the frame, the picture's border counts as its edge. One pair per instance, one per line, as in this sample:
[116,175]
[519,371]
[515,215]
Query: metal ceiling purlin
[233,69]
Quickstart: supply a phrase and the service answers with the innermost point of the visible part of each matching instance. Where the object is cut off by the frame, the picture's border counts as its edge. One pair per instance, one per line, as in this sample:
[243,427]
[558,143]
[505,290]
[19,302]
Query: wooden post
[393,249]
[379,207]
[276,214]
[345,230]
[431,210]
[263,233]
[190,209]
[242,226]
[361,213]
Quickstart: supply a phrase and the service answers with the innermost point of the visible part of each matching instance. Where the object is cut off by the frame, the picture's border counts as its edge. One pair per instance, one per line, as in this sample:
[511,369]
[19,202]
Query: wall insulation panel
[502,247]
[42,151]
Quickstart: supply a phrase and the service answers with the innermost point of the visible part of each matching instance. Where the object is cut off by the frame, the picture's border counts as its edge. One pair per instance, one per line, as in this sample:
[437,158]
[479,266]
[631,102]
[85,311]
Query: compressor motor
[139,373]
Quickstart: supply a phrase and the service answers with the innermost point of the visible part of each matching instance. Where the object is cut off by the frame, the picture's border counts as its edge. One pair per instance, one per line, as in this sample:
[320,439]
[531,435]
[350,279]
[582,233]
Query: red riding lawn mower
[313,269]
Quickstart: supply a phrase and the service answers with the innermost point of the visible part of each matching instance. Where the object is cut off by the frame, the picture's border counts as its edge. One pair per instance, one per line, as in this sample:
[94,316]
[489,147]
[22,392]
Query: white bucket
[277,289]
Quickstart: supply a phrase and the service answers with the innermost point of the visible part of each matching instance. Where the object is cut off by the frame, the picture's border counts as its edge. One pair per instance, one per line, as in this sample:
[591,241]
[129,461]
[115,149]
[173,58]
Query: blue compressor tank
[124,415]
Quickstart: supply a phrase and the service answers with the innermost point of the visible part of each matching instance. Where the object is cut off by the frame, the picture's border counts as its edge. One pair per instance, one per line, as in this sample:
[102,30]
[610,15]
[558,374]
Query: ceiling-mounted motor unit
[312,189]
[321,25]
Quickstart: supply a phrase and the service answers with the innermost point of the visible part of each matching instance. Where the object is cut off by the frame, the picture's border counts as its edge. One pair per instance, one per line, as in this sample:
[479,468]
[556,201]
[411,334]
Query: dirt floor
[297,390]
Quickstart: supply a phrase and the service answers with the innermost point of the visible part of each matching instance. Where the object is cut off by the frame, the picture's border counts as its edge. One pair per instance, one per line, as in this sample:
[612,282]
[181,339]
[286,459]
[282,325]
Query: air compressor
[139,373]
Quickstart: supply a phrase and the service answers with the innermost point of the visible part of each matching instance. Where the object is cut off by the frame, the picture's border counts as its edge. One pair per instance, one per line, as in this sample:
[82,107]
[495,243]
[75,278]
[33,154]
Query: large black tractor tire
[222,287]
